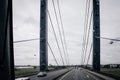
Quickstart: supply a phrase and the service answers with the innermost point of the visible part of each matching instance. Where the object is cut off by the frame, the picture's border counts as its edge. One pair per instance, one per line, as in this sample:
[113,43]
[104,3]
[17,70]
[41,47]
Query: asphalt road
[78,74]
[74,74]
[50,75]
[71,74]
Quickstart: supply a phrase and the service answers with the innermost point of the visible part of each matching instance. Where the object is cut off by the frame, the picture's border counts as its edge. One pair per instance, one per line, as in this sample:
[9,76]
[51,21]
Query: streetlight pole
[96,32]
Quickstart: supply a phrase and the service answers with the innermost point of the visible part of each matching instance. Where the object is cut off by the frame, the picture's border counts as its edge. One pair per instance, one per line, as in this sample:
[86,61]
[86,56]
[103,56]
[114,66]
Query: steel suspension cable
[83,42]
[55,36]
[86,28]
[90,51]
[63,30]
[108,38]
[59,29]
[87,38]
[38,39]
[25,40]
[84,33]
[52,53]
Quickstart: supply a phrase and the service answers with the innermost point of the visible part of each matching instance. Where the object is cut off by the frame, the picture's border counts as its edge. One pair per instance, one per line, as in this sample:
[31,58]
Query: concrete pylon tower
[43,38]
[96,33]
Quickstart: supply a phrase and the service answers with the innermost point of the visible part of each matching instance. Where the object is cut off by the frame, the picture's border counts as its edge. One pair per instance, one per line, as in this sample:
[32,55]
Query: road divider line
[57,78]
[64,75]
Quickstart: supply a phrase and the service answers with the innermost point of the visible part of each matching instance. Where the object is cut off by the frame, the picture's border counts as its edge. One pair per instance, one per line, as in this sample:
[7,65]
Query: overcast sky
[26,18]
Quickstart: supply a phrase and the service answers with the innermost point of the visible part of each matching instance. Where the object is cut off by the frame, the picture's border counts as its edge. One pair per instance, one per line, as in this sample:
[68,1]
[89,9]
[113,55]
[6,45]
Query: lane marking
[64,75]
[88,76]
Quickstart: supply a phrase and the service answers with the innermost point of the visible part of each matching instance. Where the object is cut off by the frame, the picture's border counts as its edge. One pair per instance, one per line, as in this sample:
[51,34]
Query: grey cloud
[26,26]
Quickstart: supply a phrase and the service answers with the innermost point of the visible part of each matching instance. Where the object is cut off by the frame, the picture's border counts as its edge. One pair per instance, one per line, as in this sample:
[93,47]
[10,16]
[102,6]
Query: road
[74,74]
[78,74]
[50,75]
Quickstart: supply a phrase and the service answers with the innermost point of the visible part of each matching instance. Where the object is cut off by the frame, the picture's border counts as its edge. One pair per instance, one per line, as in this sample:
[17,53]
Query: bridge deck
[77,74]
[50,75]
[74,74]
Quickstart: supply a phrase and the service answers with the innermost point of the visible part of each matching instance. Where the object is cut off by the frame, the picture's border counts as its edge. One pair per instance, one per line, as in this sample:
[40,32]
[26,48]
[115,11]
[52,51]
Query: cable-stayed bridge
[70,72]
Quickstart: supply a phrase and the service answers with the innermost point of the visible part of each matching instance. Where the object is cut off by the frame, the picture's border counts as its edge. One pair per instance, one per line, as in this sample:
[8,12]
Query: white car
[41,74]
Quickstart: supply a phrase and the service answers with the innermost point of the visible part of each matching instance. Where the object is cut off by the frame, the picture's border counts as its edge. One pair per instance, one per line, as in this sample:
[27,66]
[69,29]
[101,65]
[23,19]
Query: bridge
[68,73]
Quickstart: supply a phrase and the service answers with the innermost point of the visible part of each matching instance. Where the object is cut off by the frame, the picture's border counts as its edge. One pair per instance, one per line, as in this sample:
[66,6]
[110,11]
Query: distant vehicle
[42,74]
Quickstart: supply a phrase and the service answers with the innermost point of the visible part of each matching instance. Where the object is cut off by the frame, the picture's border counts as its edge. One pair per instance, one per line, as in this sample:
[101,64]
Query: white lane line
[88,76]
[64,75]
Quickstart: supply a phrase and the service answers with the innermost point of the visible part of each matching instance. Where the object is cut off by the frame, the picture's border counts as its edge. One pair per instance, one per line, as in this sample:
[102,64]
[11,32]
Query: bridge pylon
[96,33]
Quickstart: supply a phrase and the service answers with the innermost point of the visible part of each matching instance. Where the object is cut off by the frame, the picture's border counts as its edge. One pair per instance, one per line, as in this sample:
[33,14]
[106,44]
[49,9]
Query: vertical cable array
[87,36]
[86,33]
[83,43]
[63,31]
[60,33]
[55,36]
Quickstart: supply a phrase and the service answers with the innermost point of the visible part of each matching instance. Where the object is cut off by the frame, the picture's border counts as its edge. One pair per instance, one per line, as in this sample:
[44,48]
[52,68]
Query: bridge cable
[52,53]
[83,42]
[108,38]
[26,40]
[85,27]
[38,39]
[55,36]
[63,30]
[59,29]
[87,36]
[90,51]
[83,34]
